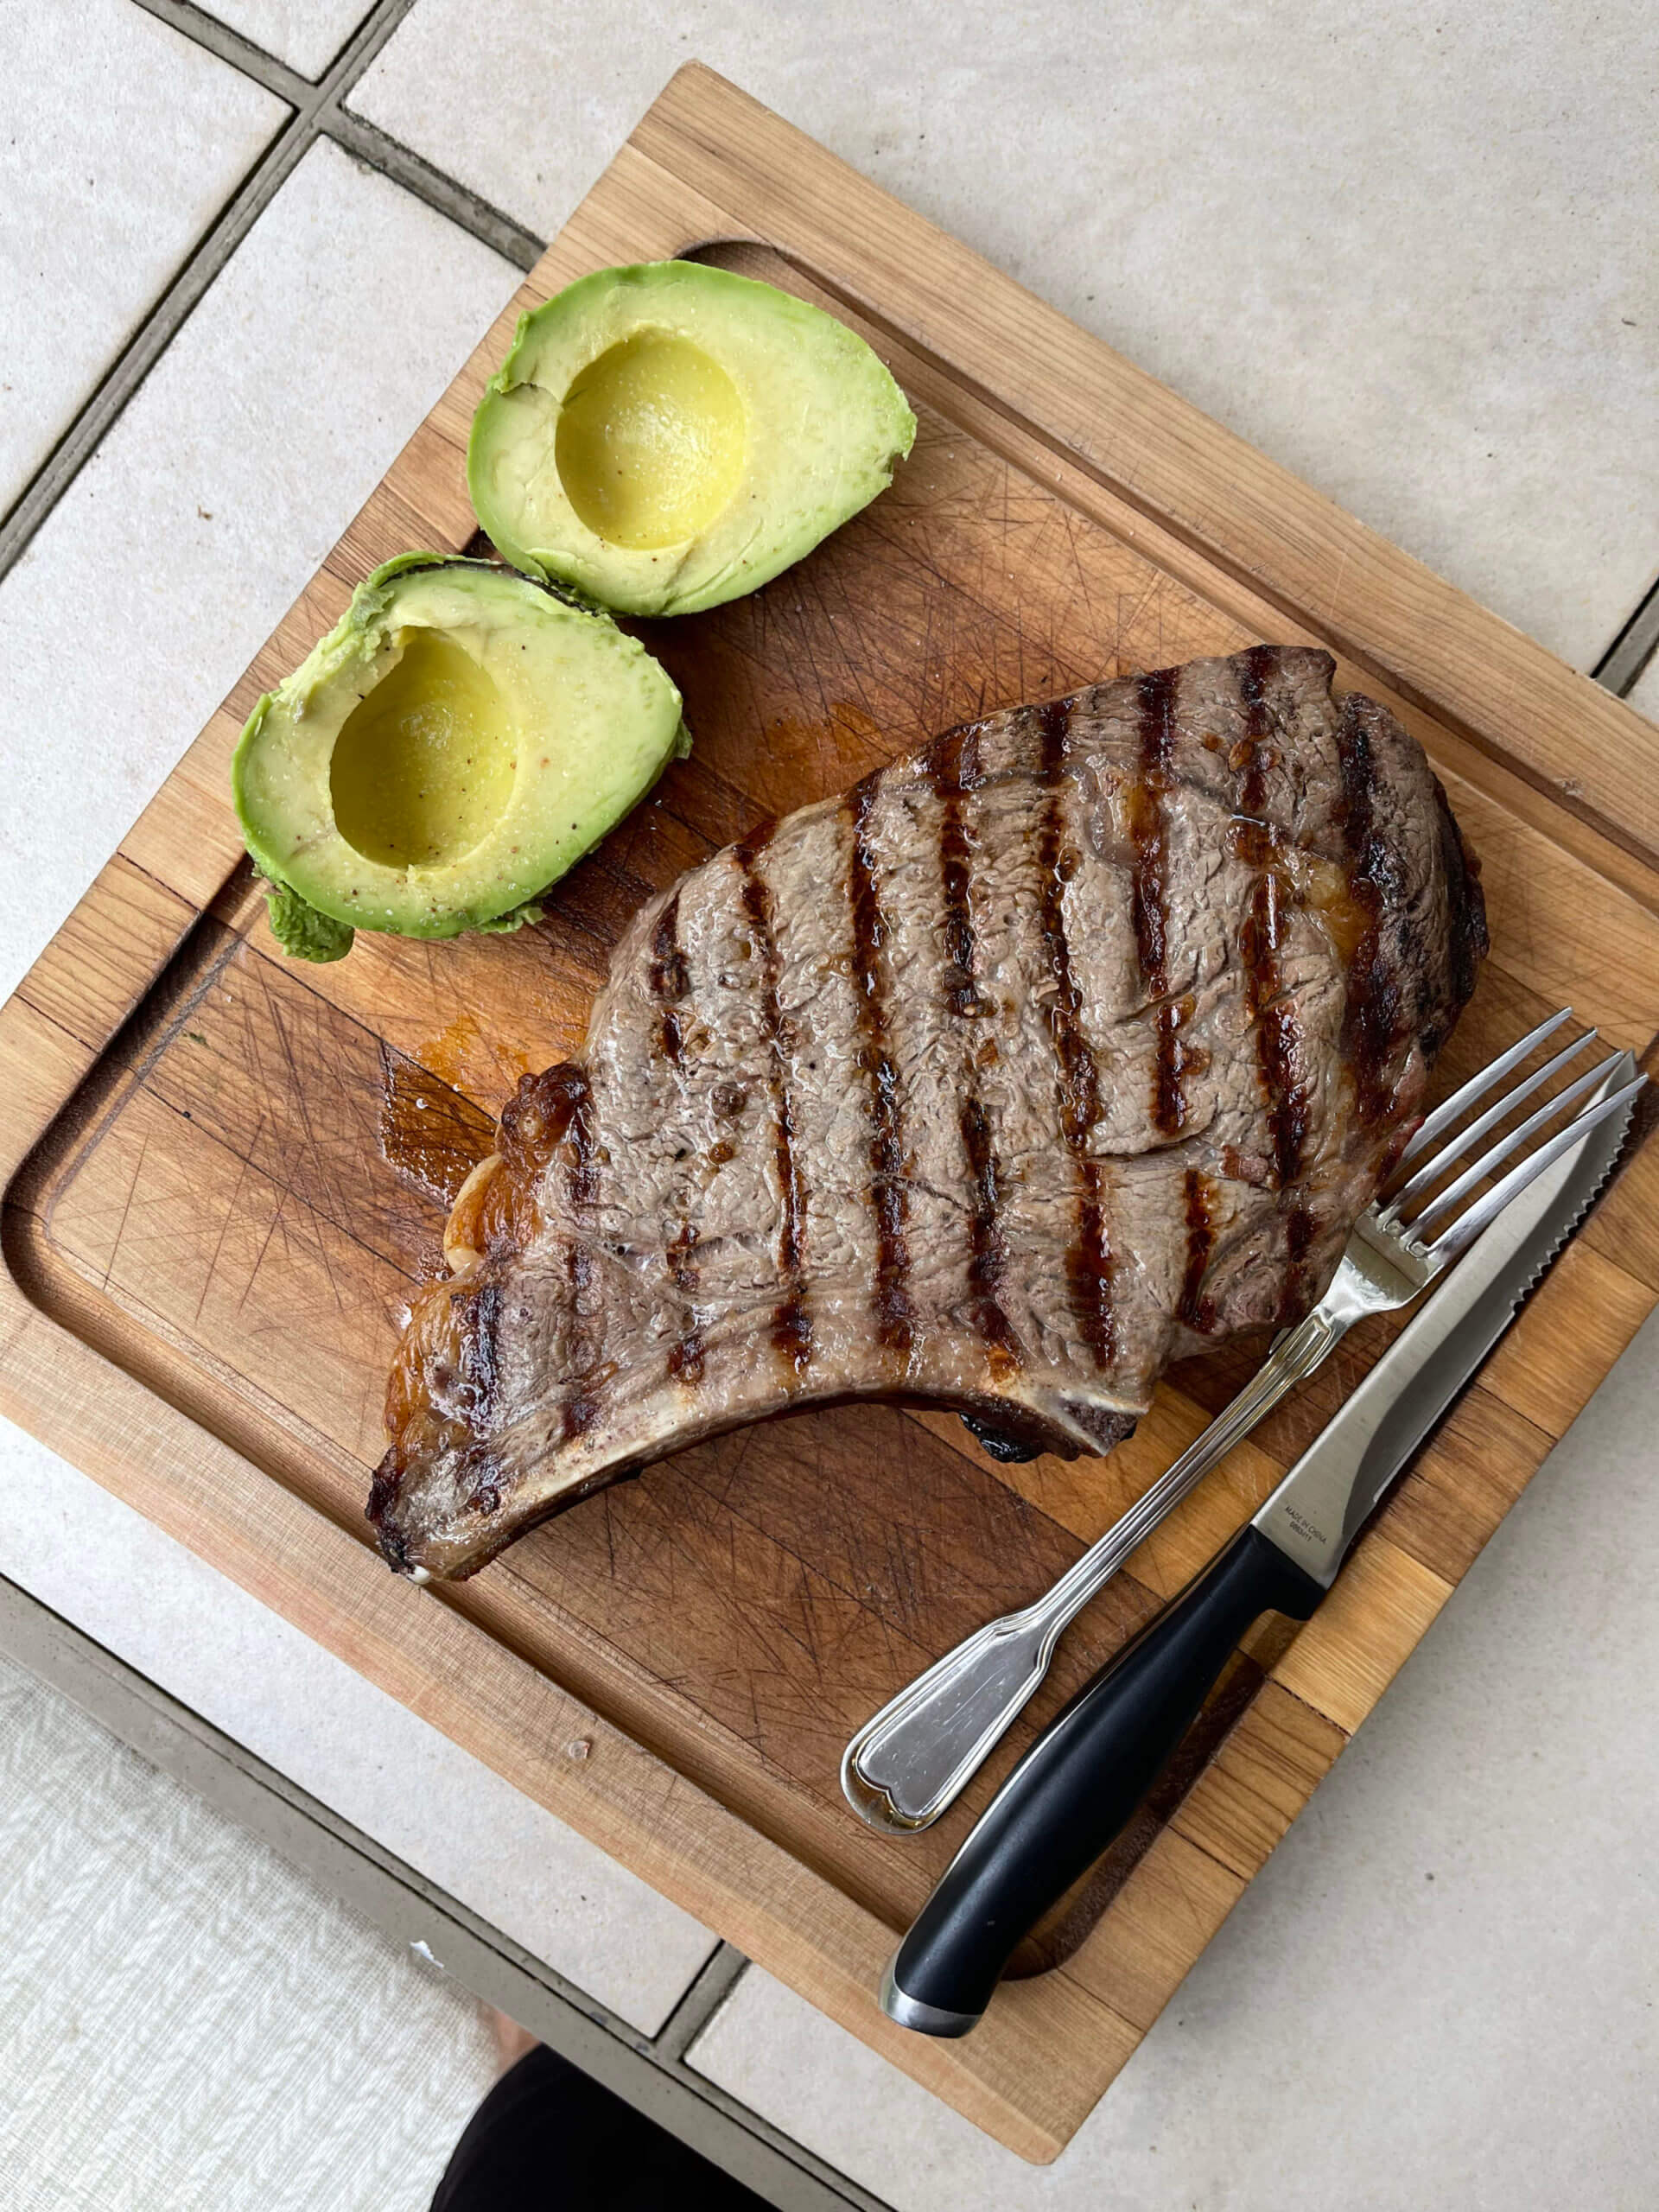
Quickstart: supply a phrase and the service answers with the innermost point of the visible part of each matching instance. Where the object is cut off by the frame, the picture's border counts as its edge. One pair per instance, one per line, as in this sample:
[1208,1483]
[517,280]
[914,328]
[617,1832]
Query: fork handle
[912,1760]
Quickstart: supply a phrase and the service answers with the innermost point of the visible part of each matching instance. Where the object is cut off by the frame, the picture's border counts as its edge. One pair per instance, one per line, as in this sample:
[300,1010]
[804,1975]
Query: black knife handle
[1078,1785]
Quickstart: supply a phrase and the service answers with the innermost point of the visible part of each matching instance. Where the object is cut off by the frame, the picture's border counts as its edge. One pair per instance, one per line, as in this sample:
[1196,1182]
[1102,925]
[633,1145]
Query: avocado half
[456,742]
[667,436]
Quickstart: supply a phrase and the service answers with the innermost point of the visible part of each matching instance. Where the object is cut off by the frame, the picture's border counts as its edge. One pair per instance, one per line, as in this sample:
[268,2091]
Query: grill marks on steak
[792,1329]
[875,1060]
[1278,1041]
[1374,981]
[1088,1265]
[669,983]
[1200,1204]
[1278,1038]
[1149,830]
[1071,1042]
[952,766]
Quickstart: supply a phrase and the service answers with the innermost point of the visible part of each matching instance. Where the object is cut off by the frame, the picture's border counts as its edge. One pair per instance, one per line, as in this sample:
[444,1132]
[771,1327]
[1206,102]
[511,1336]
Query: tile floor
[1410,254]
[305,33]
[218,1650]
[104,195]
[186,2023]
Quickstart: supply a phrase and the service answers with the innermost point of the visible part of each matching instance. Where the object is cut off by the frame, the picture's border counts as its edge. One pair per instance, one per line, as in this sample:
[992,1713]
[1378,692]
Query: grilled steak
[1072,1043]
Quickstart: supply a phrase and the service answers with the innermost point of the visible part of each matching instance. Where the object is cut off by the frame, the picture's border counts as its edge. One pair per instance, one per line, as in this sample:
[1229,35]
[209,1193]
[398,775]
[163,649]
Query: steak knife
[1077,1786]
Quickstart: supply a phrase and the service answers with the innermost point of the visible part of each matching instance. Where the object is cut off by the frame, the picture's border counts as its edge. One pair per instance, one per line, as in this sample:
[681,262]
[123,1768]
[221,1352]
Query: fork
[911,1759]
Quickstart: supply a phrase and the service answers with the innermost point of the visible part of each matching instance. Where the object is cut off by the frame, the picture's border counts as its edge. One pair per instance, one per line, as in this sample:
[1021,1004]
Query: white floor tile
[306,34]
[187,2021]
[1409,252]
[90,1557]
[1439,1994]
[1645,698]
[119,140]
[210,504]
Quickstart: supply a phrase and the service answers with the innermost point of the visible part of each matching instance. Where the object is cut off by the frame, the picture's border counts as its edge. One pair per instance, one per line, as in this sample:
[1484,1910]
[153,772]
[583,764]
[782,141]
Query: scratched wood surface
[230,1172]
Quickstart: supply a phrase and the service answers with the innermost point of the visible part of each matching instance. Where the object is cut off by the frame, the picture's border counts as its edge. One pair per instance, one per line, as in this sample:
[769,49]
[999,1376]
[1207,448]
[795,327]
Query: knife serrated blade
[1331,1492]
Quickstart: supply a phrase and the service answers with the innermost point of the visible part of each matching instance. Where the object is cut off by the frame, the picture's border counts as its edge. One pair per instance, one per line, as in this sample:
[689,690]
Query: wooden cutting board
[226,1173]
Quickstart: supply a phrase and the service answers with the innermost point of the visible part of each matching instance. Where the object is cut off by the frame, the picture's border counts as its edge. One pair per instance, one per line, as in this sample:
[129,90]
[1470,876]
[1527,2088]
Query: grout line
[364,141]
[368,143]
[374,28]
[289,144]
[203,29]
[1622,665]
[154,334]
[710,1986]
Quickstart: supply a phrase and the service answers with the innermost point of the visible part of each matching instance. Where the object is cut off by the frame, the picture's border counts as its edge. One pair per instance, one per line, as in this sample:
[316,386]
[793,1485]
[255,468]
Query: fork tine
[1478,1085]
[1456,1146]
[1462,1232]
[1449,1199]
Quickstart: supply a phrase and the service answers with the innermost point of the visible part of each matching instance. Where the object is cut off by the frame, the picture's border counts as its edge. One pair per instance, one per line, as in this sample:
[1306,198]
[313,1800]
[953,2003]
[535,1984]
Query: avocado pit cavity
[650,441]
[424,766]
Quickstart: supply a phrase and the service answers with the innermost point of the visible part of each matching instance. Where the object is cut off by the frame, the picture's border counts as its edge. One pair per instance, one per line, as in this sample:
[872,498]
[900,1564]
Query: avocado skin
[827,425]
[592,720]
[303,932]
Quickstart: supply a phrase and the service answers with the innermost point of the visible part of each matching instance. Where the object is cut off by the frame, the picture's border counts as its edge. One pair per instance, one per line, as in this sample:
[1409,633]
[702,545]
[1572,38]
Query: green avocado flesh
[664,437]
[456,742]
